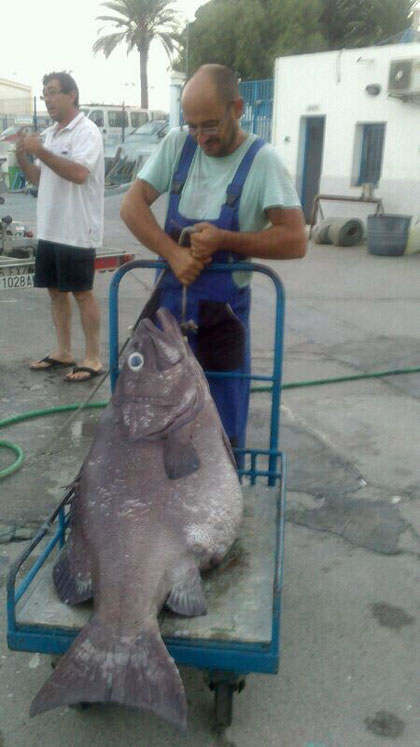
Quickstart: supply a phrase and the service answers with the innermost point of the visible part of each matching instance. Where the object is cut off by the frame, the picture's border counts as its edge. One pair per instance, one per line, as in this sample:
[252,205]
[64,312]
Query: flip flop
[91,371]
[52,363]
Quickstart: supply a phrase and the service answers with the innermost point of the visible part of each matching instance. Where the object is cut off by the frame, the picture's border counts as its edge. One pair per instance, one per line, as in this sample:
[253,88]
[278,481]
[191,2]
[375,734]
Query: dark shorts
[64,267]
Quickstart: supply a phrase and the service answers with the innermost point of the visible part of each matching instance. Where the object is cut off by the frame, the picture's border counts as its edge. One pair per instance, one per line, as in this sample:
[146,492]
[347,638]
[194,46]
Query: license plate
[12,278]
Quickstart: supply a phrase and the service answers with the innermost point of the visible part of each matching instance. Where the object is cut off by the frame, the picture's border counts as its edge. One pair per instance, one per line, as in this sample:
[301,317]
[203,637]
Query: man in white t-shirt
[233,188]
[69,173]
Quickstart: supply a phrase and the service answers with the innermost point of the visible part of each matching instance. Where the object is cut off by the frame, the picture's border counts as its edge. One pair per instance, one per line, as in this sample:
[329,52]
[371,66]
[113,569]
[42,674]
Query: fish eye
[135,361]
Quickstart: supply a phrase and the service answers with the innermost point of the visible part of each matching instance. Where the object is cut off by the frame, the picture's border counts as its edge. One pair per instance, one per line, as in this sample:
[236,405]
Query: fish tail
[102,667]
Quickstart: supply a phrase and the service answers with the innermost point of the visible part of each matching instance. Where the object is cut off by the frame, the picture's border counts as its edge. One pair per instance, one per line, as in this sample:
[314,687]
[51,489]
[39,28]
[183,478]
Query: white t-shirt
[69,213]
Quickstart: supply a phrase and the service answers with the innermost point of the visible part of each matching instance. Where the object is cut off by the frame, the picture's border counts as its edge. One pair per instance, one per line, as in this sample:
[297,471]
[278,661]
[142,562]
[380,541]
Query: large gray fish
[156,501]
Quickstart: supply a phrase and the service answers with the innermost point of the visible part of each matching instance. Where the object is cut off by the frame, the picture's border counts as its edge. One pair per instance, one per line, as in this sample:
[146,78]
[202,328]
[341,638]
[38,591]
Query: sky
[53,35]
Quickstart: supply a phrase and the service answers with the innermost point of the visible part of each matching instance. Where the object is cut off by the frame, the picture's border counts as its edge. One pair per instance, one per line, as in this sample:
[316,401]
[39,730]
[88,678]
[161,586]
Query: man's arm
[284,239]
[138,217]
[64,167]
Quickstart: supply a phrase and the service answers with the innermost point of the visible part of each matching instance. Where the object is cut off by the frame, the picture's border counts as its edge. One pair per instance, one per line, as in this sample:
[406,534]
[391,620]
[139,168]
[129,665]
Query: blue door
[312,162]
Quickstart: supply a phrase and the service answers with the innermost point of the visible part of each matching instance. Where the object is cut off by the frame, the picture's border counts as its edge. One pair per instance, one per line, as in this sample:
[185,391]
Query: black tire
[223,698]
[346,231]
[320,232]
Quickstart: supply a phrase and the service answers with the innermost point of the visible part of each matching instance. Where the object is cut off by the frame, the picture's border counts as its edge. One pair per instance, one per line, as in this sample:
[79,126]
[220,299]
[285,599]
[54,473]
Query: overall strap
[179,179]
[184,163]
[234,190]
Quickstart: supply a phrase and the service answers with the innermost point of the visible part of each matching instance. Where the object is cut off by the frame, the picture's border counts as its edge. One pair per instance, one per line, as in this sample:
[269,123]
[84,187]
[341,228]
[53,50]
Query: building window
[369,153]
[97,116]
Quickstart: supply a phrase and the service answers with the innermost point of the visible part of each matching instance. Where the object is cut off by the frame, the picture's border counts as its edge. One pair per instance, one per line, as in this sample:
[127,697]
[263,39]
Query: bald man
[234,190]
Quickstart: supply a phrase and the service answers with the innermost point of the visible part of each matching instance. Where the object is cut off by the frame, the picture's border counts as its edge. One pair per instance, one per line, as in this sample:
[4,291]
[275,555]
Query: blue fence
[258,106]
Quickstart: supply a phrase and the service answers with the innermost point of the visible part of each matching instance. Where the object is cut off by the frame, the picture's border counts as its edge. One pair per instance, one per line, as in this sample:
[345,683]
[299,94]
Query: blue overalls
[218,306]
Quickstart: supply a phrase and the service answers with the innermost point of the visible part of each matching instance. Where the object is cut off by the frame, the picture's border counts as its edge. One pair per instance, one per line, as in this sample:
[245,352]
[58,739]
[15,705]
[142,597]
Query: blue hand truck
[241,632]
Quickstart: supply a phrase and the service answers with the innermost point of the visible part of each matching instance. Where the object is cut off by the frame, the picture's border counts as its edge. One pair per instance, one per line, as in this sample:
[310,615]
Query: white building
[15,98]
[351,117]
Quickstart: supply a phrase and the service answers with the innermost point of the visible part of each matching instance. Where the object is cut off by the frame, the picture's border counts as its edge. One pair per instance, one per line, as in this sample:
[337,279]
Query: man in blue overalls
[234,190]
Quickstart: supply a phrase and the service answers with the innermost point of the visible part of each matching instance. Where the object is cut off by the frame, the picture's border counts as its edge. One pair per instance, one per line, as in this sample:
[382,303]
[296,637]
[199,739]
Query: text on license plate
[10,280]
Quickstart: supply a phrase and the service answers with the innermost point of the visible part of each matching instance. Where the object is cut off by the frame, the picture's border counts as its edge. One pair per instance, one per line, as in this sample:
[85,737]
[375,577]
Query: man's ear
[238,107]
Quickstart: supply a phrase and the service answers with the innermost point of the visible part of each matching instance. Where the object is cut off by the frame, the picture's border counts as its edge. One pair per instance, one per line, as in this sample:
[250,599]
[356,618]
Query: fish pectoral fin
[187,595]
[179,454]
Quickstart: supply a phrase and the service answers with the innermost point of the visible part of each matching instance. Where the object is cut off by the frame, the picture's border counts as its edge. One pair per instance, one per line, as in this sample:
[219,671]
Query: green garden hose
[337,379]
[17,463]
[67,408]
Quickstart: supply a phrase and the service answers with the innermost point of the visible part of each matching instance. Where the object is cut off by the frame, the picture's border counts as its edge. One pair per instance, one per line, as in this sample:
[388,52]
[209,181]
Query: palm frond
[114,20]
[119,6]
[169,46]
[107,44]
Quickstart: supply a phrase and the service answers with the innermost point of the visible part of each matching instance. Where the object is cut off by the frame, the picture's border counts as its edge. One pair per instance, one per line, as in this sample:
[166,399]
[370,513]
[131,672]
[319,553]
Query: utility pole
[35,118]
[187,49]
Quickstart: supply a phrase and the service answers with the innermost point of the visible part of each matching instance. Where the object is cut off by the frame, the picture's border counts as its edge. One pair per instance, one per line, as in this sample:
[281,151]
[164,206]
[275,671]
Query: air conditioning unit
[404,77]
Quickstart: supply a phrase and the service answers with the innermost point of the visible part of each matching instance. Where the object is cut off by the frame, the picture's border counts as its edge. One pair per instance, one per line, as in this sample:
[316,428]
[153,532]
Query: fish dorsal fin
[179,454]
[187,596]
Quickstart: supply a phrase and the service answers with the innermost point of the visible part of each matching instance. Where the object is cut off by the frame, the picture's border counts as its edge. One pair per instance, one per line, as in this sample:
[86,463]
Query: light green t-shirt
[268,183]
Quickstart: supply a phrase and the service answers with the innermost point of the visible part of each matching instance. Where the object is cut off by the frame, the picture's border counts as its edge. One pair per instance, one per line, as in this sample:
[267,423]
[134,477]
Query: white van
[115,122]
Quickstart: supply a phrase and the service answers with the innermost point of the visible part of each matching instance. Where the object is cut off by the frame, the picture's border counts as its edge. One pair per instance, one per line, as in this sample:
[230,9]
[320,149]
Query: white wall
[175,91]
[15,98]
[333,84]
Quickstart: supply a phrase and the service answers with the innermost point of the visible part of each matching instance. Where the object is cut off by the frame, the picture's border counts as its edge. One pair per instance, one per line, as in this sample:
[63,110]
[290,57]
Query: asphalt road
[351,603]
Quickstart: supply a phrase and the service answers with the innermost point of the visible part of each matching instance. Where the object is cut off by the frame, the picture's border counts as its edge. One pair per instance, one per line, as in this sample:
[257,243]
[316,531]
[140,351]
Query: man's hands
[64,167]
[188,262]
[31,171]
[185,267]
[29,144]
[205,240]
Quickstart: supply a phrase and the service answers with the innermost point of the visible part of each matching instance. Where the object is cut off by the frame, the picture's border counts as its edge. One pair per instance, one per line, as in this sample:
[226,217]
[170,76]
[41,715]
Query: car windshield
[148,130]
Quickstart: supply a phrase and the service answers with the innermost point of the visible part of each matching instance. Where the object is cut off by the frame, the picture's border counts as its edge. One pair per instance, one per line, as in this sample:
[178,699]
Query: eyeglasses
[50,93]
[196,130]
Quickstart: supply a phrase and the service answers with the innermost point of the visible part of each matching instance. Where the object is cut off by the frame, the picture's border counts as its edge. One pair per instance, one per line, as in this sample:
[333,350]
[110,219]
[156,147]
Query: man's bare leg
[61,315]
[90,316]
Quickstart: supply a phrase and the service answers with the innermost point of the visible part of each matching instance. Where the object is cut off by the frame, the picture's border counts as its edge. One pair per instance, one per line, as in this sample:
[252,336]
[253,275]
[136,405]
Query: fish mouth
[169,324]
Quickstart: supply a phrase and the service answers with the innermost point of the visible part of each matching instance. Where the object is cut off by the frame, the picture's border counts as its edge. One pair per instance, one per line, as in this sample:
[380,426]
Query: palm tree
[139,22]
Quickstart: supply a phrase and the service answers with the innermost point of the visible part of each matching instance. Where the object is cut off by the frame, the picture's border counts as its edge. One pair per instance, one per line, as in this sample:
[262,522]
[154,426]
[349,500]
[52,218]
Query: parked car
[110,119]
[141,141]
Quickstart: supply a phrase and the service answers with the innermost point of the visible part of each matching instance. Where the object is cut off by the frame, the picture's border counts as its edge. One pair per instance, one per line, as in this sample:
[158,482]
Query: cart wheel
[224,684]
[223,697]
